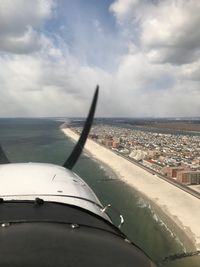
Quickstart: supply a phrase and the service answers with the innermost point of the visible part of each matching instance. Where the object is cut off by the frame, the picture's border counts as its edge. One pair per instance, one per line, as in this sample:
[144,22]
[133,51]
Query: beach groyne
[181,207]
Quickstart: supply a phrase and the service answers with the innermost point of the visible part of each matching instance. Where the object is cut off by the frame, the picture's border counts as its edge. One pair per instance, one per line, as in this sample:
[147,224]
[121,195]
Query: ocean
[41,140]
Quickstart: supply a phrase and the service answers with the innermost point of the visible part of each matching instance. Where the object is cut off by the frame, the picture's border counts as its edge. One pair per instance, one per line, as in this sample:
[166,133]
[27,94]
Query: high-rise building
[189,177]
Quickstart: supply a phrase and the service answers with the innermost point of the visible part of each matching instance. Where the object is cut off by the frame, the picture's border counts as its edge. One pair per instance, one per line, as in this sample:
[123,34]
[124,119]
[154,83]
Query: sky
[144,54]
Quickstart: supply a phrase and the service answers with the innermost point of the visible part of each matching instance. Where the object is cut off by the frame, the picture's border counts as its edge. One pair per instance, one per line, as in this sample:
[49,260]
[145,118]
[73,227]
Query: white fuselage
[27,181]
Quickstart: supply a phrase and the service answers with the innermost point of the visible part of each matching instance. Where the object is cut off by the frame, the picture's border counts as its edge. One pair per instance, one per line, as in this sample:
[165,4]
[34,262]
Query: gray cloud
[169,29]
[19,22]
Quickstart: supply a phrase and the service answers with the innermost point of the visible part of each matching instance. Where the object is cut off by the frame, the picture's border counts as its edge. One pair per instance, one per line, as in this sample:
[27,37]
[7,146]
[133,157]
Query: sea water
[41,140]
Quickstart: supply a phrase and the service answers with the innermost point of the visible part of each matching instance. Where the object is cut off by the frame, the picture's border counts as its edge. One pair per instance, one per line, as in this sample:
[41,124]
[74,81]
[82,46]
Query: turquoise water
[41,140]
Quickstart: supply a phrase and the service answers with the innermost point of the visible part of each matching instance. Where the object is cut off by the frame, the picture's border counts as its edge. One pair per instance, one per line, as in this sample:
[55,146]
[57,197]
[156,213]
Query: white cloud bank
[157,76]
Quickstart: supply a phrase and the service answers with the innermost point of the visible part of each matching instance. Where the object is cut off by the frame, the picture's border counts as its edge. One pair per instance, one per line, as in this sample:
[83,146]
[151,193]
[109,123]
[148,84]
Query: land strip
[181,207]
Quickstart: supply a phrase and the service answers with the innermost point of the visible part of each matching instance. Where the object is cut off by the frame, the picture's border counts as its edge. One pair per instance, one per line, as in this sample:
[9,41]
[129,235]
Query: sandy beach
[181,207]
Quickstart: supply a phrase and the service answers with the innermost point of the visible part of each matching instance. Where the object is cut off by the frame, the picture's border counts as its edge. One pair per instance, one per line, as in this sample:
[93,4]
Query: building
[154,154]
[188,177]
[115,144]
[108,143]
[172,172]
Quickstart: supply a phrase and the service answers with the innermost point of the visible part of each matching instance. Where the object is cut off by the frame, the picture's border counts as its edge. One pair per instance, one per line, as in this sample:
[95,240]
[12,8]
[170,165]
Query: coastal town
[174,156]
[176,200]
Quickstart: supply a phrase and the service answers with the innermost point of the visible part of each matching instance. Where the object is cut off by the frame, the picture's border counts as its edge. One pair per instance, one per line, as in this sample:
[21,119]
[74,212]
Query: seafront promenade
[181,207]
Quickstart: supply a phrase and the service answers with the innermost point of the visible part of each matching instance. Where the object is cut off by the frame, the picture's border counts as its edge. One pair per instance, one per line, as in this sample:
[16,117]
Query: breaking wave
[141,203]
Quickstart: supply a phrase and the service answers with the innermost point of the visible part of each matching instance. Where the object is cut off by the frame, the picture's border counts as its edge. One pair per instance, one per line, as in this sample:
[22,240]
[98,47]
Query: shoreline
[163,218]
[177,205]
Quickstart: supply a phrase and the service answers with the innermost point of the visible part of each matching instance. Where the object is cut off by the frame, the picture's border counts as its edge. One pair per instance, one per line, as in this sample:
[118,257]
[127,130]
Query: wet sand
[181,207]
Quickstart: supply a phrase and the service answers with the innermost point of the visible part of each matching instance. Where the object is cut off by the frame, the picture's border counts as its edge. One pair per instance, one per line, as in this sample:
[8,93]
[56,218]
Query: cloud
[168,29]
[124,9]
[172,31]
[191,71]
[47,85]
[146,67]
[20,24]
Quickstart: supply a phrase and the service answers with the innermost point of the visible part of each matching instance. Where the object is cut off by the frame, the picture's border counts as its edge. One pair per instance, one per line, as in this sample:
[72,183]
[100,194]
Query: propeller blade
[3,158]
[71,161]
